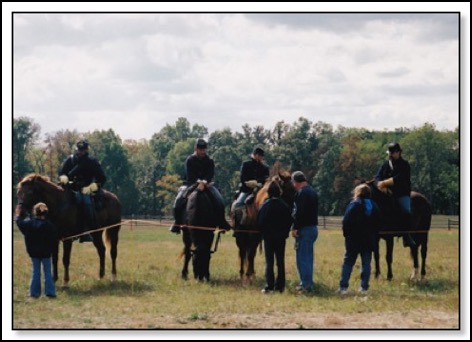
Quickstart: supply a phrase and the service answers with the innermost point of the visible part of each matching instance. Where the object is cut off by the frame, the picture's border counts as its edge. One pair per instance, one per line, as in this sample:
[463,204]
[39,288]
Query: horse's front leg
[389,257]
[414,257]
[242,253]
[55,257]
[377,259]
[98,243]
[254,242]
[187,252]
[66,251]
[424,251]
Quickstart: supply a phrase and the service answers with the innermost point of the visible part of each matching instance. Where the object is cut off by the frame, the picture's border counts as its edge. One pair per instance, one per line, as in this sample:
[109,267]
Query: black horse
[67,216]
[200,213]
[394,225]
[248,236]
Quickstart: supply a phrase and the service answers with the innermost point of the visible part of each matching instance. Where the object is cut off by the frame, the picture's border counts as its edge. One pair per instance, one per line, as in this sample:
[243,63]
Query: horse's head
[35,188]
[288,190]
[283,181]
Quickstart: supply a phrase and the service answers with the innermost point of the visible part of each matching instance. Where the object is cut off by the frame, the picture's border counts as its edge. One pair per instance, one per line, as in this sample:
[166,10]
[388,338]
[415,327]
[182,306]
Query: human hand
[251,183]
[63,179]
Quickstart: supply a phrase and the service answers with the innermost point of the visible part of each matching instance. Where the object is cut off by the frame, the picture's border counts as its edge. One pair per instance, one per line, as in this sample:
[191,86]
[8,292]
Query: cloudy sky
[136,72]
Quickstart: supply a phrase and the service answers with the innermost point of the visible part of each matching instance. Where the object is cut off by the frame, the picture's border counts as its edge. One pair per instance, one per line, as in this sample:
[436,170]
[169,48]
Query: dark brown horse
[394,225]
[66,215]
[248,242]
[199,213]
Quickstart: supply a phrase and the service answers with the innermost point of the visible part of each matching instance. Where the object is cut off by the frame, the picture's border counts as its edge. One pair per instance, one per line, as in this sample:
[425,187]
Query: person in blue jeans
[41,240]
[360,227]
[305,229]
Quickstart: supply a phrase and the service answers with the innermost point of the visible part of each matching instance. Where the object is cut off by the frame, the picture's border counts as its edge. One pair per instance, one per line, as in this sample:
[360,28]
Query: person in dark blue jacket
[41,241]
[199,172]
[274,219]
[361,223]
[86,176]
[393,177]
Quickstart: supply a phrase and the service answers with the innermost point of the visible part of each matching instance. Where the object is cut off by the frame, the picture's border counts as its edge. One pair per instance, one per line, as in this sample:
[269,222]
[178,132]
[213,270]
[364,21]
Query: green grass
[149,293]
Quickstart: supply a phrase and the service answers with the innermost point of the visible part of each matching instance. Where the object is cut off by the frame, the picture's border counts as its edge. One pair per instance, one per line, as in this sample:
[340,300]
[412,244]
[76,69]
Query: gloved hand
[251,183]
[93,187]
[63,179]
[86,190]
[385,183]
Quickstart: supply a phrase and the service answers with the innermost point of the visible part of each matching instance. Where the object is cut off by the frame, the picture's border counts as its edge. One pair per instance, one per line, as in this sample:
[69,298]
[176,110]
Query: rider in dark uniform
[394,176]
[254,173]
[86,176]
[199,169]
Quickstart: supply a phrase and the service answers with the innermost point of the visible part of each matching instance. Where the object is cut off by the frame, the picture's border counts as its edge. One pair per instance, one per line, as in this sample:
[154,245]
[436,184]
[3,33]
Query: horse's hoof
[113,277]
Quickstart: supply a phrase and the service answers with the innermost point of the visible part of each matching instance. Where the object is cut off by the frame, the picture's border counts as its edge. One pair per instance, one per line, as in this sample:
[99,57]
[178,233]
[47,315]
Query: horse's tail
[110,236]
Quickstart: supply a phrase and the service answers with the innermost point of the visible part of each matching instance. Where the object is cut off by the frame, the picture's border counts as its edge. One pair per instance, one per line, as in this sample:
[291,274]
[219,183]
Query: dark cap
[394,147]
[201,143]
[258,151]
[298,177]
[82,145]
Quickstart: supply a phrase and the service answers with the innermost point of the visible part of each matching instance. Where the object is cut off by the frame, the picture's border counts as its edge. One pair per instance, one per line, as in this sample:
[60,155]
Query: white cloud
[101,71]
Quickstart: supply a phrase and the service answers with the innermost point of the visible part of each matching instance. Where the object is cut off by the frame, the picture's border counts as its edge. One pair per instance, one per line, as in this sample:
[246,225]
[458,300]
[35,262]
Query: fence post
[324,222]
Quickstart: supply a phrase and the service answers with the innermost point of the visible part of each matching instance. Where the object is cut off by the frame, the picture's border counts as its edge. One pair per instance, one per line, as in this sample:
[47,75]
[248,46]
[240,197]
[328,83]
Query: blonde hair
[40,209]
[362,191]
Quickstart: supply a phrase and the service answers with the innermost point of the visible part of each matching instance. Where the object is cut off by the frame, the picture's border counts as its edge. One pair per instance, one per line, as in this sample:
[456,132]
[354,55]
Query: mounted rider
[254,173]
[199,173]
[85,176]
[393,177]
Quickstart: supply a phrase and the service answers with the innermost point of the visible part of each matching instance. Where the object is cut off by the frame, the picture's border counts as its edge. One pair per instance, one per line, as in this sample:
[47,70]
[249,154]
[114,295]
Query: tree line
[145,174]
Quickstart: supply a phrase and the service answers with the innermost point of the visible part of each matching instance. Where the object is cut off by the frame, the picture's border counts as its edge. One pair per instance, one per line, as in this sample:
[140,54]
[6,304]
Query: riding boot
[178,209]
[408,241]
[175,228]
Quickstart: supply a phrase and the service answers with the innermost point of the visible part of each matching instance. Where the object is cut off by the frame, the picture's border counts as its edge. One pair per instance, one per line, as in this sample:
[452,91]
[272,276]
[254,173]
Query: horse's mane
[34,177]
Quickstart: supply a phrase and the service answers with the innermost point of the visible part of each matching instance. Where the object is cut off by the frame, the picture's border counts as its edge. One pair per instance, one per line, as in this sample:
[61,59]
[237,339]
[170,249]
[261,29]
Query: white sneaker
[342,291]
[362,291]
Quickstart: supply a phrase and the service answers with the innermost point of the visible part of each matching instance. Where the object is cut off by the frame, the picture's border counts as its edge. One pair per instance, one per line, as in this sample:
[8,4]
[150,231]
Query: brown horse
[66,215]
[248,242]
[421,213]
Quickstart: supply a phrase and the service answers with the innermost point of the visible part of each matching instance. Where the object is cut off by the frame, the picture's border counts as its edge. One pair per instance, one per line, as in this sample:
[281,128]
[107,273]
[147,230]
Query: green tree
[143,172]
[167,188]
[107,147]
[433,157]
[25,134]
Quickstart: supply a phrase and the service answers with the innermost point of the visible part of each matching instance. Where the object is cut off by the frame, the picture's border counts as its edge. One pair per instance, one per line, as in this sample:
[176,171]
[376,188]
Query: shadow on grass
[115,288]
[435,285]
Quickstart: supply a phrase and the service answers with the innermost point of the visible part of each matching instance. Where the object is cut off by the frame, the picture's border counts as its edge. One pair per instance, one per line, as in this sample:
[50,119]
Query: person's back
[41,241]
[274,218]
[39,234]
[361,224]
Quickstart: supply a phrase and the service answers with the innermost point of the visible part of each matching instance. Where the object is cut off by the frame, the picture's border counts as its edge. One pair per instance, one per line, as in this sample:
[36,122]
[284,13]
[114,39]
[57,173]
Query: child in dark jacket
[274,219]
[360,226]
[40,240]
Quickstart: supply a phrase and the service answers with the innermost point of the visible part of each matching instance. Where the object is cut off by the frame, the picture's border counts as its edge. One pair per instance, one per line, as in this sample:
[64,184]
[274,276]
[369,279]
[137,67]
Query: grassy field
[149,293]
